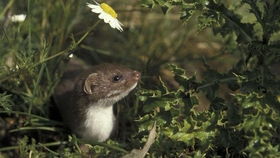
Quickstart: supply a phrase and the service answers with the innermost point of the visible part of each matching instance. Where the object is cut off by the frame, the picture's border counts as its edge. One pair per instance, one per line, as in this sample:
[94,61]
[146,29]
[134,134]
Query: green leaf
[148,3]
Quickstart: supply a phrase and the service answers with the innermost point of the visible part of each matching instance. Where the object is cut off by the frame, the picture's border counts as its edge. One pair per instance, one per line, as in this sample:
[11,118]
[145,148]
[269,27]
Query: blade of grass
[32,115]
[29,25]
[52,129]
[35,90]
[49,150]
[37,145]
[8,6]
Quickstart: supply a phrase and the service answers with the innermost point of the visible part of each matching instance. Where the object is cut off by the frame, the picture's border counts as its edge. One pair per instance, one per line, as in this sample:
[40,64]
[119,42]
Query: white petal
[107,19]
[119,28]
[101,15]
[97,10]
[120,23]
[116,24]
[112,24]
[92,5]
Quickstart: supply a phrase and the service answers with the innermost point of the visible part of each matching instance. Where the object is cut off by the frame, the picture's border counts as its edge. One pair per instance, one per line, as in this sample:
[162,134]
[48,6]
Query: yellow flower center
[108,9]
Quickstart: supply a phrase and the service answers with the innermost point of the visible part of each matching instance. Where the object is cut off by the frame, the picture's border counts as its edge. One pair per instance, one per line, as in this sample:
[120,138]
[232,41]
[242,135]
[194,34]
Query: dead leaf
[140,153]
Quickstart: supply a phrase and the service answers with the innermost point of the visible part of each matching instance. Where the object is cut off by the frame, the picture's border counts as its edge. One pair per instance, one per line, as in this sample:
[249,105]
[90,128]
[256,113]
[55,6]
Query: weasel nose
[136,75]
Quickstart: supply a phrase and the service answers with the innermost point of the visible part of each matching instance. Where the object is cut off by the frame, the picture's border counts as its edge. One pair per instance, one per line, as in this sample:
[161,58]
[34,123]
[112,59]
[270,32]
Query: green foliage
[246,125]
[26,49]
[243,122]
[180,124]
[6,102]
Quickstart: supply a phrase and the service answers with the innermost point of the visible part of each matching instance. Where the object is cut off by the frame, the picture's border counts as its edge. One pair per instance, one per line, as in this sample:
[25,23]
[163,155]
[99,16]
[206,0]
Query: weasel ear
[89,82]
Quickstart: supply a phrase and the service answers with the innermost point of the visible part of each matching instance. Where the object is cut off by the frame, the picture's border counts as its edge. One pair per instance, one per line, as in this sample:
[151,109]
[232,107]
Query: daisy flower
[106,13]
[18,18]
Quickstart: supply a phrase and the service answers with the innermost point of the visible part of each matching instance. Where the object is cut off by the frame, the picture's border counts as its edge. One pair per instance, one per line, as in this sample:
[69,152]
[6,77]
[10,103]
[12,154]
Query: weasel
[85,98]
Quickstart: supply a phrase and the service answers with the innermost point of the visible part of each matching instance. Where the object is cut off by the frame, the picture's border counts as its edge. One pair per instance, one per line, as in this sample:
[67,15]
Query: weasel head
[110,83]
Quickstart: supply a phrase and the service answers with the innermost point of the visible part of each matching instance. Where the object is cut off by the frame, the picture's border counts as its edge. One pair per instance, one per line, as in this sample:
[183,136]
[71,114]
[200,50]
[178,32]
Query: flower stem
[71,48]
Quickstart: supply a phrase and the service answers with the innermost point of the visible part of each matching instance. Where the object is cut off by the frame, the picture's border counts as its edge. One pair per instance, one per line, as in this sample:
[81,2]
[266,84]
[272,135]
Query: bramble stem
[215,82]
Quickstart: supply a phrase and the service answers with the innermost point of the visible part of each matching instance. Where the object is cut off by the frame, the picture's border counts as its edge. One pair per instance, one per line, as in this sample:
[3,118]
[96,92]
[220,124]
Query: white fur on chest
[99,122]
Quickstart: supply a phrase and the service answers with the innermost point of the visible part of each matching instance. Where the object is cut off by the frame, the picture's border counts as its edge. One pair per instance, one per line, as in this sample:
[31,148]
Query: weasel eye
[117,78]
